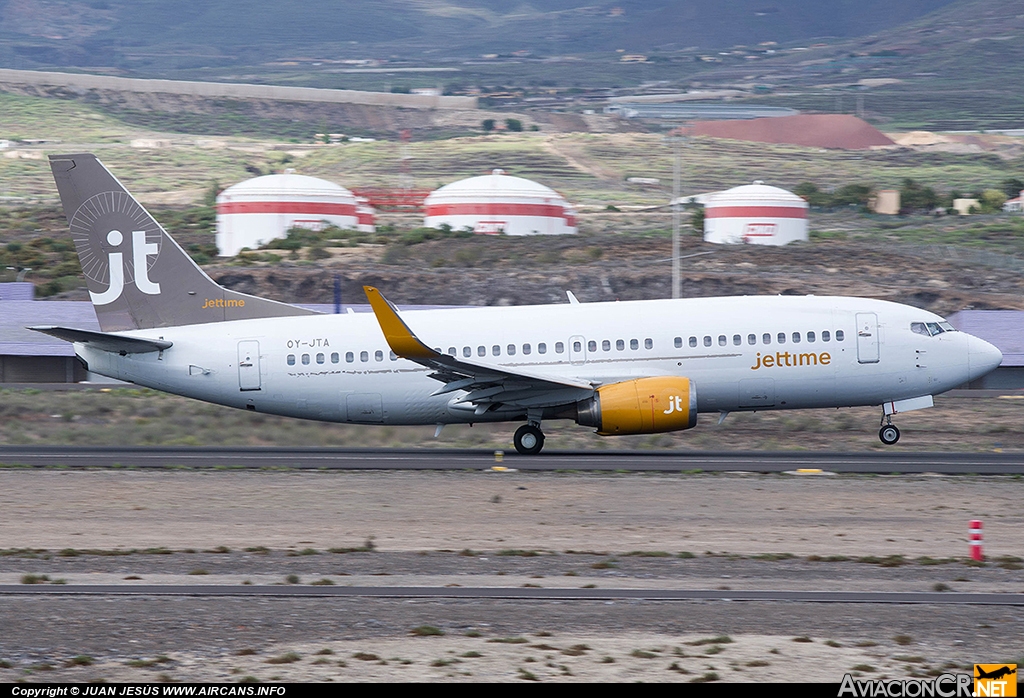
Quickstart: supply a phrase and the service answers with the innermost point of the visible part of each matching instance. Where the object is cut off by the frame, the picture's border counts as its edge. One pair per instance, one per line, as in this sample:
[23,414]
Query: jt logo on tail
[140,251]
[138,276]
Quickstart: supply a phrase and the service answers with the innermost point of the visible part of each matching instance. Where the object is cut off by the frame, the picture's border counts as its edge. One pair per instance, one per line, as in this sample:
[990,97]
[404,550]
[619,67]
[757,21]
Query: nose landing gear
[888,434]
[529,439]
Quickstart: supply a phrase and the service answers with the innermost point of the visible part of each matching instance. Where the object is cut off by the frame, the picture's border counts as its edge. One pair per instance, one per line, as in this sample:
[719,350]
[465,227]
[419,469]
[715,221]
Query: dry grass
[147,418]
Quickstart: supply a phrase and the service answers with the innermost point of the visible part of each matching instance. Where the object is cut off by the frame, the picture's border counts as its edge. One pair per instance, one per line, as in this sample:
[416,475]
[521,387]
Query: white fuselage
[837,351]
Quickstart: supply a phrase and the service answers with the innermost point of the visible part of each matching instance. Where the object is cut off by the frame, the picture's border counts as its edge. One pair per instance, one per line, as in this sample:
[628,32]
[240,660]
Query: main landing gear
[529,439]
[888,434]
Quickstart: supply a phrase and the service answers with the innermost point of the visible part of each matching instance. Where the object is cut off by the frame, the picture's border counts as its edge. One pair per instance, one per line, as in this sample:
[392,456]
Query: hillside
[156,35]
[956,68]
[920,64]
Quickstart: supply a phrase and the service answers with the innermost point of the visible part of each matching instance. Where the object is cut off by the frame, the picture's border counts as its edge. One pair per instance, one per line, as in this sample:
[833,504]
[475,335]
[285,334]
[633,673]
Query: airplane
[631,367]
[994,674]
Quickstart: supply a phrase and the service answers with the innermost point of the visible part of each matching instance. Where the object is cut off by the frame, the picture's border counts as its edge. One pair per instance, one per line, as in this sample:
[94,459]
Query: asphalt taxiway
[884,462]
[517,594]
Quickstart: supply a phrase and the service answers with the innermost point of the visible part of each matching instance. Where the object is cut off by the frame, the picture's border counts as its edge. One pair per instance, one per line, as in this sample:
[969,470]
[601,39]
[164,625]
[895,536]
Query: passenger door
[249,365]
[867,338]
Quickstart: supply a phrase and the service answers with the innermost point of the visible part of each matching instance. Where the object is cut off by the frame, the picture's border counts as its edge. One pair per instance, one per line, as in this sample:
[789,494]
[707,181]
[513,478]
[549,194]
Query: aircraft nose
[982,357]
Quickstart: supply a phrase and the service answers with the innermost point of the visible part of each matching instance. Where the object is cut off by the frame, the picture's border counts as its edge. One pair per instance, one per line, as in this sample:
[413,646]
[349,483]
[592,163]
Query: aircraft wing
[488,387]
[116,343]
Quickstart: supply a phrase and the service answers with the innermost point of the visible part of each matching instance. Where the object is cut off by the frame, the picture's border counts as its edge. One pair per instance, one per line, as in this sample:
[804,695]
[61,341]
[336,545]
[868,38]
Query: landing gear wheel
[889,434]
[529,440]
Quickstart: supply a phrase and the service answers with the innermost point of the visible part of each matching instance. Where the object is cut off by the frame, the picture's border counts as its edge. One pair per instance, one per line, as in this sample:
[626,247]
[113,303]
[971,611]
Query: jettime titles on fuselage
[783,359]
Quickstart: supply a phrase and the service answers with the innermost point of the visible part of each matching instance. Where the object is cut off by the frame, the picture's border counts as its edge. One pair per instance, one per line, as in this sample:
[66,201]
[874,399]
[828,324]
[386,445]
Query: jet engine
[641,406]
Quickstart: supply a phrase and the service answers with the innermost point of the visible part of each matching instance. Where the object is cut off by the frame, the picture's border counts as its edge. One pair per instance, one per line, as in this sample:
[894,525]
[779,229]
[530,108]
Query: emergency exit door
[249,365]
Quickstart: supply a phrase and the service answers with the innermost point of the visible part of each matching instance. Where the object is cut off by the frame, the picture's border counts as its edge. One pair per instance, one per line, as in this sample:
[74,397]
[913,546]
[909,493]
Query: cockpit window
[930,329]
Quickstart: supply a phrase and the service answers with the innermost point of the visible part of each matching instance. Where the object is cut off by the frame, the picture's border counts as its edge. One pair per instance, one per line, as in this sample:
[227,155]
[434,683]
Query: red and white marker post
[976,541]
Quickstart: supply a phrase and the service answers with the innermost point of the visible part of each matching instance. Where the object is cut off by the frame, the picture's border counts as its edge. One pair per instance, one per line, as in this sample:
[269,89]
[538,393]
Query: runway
[516,594]
[887,462]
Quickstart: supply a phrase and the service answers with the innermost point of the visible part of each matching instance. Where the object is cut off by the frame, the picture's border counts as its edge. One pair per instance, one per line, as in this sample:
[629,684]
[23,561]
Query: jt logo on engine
[140,251]
[675,404]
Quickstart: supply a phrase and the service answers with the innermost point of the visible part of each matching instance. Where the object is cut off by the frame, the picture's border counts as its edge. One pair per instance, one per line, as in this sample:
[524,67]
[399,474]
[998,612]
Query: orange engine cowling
[641,406]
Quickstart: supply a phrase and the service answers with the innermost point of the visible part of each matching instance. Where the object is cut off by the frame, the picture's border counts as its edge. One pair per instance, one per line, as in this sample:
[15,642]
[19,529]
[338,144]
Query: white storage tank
[256,211]
[365,215]
[498,204]
[755,213]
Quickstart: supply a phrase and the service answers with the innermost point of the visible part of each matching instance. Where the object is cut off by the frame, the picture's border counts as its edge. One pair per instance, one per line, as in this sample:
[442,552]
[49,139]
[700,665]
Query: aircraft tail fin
[138,276]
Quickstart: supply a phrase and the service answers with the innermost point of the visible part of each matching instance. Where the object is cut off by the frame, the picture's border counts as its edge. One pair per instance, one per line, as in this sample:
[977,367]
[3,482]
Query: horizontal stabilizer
[107,342]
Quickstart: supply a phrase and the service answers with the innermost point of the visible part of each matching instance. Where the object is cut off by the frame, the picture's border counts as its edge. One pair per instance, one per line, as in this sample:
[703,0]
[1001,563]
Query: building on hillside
[885,202]
[1015,205]
[965,207]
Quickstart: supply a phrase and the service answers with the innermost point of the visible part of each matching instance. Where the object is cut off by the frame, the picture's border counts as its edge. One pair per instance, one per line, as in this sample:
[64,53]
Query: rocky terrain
[480,529]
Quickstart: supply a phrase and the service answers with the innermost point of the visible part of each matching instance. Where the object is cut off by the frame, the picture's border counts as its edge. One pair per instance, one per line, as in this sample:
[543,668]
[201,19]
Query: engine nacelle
[641,406]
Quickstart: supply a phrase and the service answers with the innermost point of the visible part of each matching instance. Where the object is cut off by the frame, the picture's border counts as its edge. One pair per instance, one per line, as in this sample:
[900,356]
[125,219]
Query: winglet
[400,338]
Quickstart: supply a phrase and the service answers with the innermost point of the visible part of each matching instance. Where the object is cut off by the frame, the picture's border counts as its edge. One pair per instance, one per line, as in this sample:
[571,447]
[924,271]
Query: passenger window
[349,357]
[840,336]
[693,341]
[481,351]
[678,341]
[796,338]
[364,356]
[592,345]
[335,358]
[378,355]
[648,343]
[542,348]
[766,338]
[810,337]
[320,358]
[634,344]
[751,339]
[526,348]
[291,359]
[305,358]
[707,340]
[511,349]
[452,351]
[467,352]
[782,337]
[577,346]
[559,347]
[393,356]
[826,336]
[606,345]
[722,341]
[620,345]
[496,350]
[737,340]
